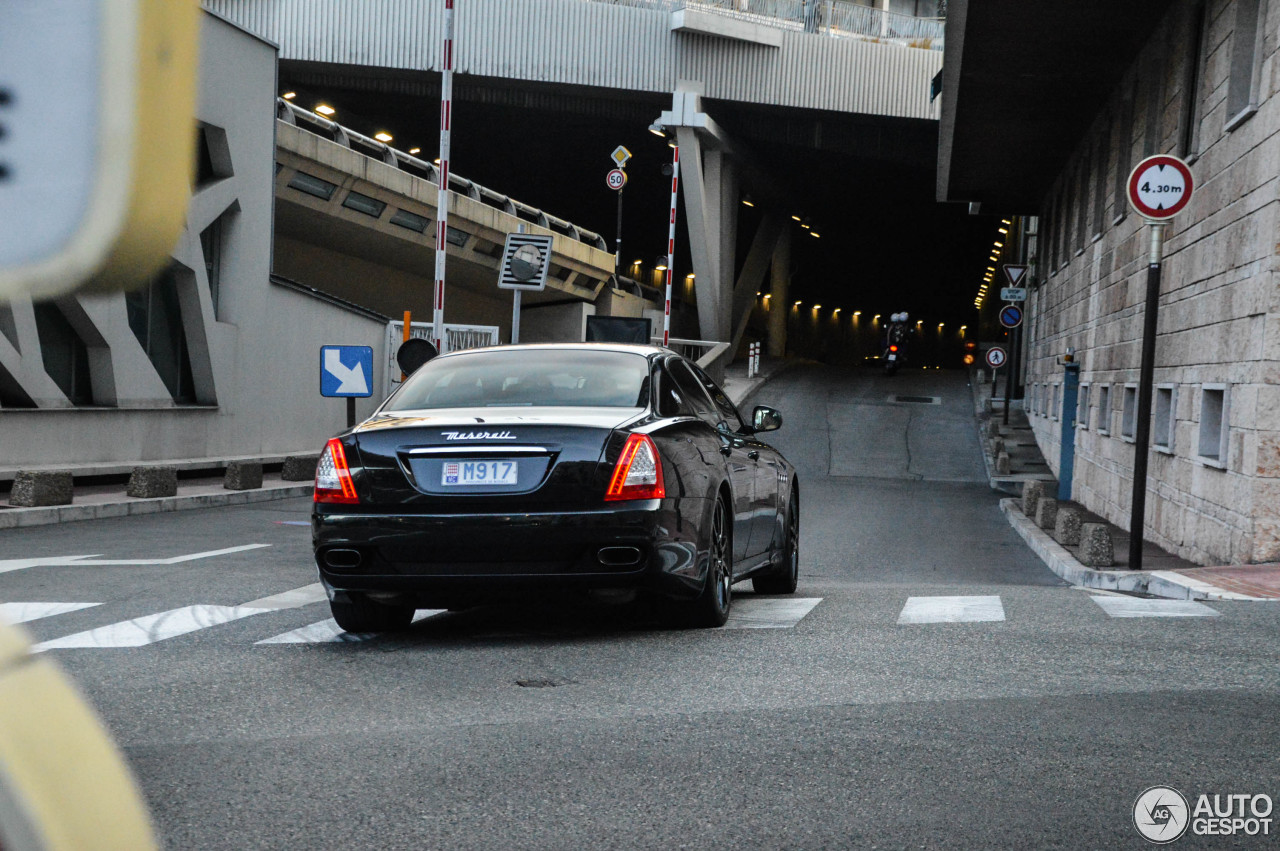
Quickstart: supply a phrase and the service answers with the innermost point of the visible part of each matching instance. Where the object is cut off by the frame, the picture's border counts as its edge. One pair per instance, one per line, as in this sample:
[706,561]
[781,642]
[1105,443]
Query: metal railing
[293,114]
[702,352]
[836,18]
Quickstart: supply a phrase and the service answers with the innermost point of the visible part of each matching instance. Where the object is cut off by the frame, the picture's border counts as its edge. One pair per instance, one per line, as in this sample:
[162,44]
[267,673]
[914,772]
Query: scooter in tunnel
[895,343]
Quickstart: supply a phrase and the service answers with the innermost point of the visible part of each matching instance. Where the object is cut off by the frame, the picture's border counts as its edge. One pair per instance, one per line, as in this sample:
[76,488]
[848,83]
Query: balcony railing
[836,18]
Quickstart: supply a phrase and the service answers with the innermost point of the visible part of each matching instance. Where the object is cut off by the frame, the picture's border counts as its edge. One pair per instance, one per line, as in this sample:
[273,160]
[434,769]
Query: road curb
[14,518]
[760,381]
[1159,583]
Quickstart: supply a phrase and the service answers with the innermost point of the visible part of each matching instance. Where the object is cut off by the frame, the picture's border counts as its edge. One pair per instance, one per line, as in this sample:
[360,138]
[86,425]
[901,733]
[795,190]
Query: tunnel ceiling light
[1003,230]
[383,136]
[817,307]
[999,245]
[289,95]
[766,296]
[325,109]
[689,277]
[834,312]
[747,201]
[1006,221]
[991,269]
[857,313]
[964,327]
[875,318]
[758,295]
[797,304]
[436,161]
[815,234]
[797,218]
[415,151]
[661,268]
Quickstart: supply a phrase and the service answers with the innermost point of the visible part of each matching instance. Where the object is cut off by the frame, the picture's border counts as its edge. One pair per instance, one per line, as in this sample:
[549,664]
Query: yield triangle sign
[1015,274]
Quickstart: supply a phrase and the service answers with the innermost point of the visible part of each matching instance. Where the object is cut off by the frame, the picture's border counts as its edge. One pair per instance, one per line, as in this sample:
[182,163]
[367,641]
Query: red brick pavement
[1256,580]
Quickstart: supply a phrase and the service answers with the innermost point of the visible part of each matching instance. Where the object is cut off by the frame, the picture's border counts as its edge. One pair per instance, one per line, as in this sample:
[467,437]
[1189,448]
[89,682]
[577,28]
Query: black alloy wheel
[784,579]
[365,615]
[711,607]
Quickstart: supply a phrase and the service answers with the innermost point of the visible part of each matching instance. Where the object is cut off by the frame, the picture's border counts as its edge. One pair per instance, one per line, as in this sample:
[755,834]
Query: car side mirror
[765,418]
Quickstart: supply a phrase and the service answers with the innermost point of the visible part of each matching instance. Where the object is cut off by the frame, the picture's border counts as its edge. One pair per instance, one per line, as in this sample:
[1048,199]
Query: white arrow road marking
[93,561]
[1139,607]
[149,629]
[328,632]
[769,612]
[23,612]
[352,378]
[951,610]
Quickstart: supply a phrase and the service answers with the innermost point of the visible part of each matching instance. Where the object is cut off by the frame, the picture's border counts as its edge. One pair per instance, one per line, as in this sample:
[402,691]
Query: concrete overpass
[725,77]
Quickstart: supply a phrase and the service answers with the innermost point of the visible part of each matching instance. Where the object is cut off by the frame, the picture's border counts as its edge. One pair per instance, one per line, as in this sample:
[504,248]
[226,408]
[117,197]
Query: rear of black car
[520,489]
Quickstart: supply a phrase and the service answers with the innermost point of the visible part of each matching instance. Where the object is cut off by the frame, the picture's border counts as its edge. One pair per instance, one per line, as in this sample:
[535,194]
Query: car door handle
[753,455]
[726,451]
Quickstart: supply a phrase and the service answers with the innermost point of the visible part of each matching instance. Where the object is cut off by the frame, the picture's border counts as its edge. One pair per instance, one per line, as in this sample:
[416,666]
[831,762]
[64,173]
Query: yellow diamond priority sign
[620,156]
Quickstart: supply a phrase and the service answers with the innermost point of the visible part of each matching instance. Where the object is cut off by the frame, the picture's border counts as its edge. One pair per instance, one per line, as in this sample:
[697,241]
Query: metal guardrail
[836,18]
[702,352]
[358,142]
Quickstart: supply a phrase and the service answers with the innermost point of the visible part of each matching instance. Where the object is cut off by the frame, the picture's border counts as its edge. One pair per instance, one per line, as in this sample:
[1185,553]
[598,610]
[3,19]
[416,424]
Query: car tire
[365,615]
[787,576]
[711,607]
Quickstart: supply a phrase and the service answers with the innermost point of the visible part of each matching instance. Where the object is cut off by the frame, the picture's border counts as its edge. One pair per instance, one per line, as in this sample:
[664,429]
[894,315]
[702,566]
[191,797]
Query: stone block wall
[1219,319]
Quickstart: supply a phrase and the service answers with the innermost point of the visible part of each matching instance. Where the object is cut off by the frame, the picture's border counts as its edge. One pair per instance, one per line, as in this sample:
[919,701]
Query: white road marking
[1138,607]
[295,599]
[23,612]
[149,629]
[328,632]
[92,561]
[152,628]
[769,612]
[951,610]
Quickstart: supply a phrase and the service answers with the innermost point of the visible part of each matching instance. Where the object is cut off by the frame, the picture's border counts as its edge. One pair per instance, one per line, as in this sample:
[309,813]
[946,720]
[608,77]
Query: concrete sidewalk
[1165,575]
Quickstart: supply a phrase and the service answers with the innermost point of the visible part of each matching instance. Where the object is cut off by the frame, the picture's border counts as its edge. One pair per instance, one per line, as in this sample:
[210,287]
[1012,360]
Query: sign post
[616,180]
[1016,275]
[526,260]
[1159,188]
[347,372]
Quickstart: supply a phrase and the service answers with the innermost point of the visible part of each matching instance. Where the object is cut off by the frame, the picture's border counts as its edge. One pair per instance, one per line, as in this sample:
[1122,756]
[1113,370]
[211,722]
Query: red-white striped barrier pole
[671,243]
[442,172]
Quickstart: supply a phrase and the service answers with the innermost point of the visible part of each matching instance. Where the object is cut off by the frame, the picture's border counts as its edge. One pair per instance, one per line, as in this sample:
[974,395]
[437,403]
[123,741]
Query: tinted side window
[669,401]
[692,391]
[728,412]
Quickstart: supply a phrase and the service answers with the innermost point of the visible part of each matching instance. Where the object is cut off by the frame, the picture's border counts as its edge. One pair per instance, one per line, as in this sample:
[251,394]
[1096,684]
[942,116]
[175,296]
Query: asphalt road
[1037,725]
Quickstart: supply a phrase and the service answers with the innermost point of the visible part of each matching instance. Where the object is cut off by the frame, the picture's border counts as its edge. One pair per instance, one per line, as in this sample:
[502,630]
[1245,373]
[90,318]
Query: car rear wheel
[365,615]
[787,576]
[711,607]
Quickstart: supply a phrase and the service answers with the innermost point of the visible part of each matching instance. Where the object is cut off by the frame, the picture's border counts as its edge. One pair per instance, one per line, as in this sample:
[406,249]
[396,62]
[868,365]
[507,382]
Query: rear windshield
[575,378]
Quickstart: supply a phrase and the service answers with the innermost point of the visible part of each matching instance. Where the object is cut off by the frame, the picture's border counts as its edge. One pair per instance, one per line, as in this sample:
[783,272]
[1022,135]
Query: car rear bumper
[436,558]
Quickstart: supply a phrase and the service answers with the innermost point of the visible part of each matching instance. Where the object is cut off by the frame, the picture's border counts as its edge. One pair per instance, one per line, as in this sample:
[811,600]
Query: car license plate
[479,473]
[893,357]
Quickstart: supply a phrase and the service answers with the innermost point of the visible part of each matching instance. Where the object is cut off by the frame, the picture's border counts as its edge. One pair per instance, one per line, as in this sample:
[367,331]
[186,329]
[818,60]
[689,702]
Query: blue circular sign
[1011,316]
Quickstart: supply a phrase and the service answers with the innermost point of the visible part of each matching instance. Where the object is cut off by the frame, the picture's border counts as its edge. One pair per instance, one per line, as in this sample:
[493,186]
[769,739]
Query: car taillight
[638,473]
[333,477]
[893,348]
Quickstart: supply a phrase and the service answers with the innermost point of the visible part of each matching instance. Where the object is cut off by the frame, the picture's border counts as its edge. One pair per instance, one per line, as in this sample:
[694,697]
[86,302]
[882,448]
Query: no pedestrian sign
[1160,187]
[996,357]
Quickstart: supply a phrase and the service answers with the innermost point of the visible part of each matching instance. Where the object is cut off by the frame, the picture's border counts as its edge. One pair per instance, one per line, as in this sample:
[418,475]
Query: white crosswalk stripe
[161,626]
[769,612]
[23,612]
[328,632]
[1138,607]
[919,610]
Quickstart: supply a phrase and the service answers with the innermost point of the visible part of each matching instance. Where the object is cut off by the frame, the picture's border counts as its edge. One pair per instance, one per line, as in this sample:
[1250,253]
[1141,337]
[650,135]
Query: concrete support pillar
[780,294]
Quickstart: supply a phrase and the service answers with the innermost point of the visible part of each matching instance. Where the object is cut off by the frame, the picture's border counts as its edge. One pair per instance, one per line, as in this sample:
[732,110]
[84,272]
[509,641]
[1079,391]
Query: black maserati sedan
[496,473]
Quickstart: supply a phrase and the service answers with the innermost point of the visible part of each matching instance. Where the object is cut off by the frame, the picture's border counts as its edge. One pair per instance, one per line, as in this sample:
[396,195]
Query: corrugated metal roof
[601,45]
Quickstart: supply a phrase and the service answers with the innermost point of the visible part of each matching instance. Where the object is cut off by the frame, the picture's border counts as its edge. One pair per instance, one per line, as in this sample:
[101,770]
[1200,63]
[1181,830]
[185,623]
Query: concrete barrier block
[1047,512]
[1096,546]
[32,489]
[152,482]
[986,406]
[1066,530]
[299,468]
[1002,464]
[1031,493]
[993,427]
[997,445]
[243,476]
